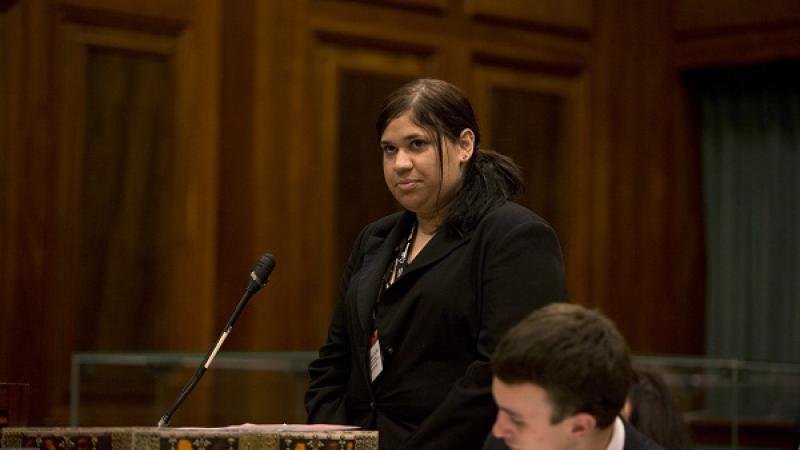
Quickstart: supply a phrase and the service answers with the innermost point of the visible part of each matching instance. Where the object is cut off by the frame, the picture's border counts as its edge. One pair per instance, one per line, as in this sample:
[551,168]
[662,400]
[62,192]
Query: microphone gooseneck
[258,278]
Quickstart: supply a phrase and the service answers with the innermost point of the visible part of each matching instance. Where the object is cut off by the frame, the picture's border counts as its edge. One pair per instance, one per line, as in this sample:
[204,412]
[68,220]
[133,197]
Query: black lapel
[439,247]
[379,250]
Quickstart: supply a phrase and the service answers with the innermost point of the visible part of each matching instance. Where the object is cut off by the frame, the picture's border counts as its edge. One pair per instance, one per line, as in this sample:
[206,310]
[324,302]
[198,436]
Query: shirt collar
[617,436]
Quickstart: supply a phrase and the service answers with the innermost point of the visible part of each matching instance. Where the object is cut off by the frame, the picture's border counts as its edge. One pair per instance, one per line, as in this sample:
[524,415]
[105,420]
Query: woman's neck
[428,225]
[425,230]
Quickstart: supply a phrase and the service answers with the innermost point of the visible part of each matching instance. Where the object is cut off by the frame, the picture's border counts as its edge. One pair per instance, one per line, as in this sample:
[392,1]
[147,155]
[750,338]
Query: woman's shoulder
[382,226]
[511,214]
[513,224]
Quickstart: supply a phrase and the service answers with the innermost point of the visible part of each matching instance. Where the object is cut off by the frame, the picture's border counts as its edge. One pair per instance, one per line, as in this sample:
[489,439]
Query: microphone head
[261,272]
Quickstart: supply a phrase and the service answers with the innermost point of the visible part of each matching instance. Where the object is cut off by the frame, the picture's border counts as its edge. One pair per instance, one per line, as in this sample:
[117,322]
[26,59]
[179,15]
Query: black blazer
[634,440]
[438,323]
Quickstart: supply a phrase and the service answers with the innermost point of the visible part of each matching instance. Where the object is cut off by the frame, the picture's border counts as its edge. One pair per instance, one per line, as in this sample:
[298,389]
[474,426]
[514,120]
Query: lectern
[245,437]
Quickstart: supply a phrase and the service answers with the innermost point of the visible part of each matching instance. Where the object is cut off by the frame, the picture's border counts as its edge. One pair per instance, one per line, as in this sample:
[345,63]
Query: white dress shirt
[617,436]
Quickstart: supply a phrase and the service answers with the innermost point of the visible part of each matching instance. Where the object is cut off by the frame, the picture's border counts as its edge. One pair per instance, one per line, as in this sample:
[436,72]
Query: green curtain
[751,163]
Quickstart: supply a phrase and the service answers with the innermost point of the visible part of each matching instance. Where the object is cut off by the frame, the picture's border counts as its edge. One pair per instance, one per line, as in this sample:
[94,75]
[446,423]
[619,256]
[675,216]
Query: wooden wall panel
[6,4]
[136,13]
[282,178]
[750,46]
[458,35]
[239,186]
[540,119]
[421,5]
[571,16]
[115,170]
[735,33]
[5,103]
[25,264]
[124,197]
[636,277]
[712,16]
[160,211]
[113,192]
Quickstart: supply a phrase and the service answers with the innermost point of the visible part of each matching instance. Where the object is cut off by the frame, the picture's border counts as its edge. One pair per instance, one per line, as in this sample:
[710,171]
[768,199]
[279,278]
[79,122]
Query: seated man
[560,380]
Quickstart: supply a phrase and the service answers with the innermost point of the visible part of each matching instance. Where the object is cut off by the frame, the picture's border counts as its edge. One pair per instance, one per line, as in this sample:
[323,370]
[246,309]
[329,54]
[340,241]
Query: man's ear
[466,144]
[582,424]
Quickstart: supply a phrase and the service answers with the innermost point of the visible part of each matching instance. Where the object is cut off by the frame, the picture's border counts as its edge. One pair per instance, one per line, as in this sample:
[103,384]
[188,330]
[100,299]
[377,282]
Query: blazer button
[389,350]
[372,405]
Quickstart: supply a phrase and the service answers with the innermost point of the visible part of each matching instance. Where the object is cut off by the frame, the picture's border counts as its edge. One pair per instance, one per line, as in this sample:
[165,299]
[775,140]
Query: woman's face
[411,166]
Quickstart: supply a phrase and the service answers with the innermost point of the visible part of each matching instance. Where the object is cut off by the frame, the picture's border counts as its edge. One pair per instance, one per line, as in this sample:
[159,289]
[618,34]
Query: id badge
[375,359]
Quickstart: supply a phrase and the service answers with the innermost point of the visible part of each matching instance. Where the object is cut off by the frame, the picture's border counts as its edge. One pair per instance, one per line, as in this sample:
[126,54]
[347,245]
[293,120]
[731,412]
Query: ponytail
[489,180]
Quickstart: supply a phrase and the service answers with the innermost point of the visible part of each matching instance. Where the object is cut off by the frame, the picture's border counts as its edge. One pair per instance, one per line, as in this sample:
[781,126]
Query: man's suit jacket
[438,324]
[634,440]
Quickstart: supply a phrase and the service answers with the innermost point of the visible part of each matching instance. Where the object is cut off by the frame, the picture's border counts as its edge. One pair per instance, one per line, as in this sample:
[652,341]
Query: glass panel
[733,403]
[135,389]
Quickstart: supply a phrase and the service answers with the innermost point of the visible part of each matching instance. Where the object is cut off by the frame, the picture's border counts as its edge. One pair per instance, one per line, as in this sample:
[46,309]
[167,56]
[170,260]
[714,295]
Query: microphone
[258,278]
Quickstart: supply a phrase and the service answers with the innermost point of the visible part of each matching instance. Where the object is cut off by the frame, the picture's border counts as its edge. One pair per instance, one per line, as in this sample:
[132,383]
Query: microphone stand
[259,278]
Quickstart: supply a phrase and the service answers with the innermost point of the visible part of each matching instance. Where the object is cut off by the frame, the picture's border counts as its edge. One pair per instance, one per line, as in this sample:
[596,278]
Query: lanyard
[396,269]
[401,261]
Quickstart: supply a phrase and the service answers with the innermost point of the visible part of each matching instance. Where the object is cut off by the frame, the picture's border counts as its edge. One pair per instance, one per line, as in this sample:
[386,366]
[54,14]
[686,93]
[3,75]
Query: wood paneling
[420,5]
[751,46]
[731,33]
[113,192]
[25,265]
[285,162]
[651,288]
[125,196]
[5,104]
[129,94]
[714,16]
[540,119]
[455,32]
[237,177]
[573,16]
[282,171]
[116,120]
[169,16]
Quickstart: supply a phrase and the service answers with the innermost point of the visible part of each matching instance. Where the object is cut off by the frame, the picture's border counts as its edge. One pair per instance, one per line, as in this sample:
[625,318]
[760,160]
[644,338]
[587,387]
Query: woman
[651,409]
[429,291]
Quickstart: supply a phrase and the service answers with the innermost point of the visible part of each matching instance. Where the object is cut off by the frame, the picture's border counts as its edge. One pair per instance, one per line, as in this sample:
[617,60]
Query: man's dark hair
[575,354]
[444,111]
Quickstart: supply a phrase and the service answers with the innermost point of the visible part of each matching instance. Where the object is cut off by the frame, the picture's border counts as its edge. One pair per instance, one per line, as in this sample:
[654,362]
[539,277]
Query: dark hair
[575,354]
[653,411]
[441,108]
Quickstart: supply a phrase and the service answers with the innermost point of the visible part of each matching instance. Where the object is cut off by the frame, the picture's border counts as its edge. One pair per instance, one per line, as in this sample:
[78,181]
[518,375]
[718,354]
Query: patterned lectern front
[246,437]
